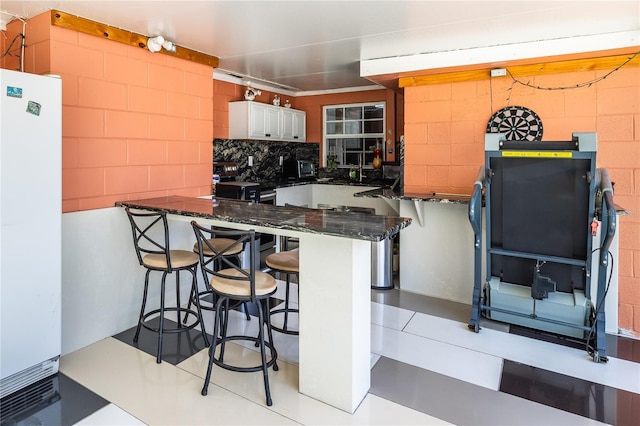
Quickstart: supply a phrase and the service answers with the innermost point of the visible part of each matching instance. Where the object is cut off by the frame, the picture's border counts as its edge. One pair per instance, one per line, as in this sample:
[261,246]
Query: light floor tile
[158,393]
[390,316]
[110,415]
[286,344]
[378,411]
[288,402]
[572,362]
[454,361]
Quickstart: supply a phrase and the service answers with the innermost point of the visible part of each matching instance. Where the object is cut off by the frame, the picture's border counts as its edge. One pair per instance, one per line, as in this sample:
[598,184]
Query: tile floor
[427,368]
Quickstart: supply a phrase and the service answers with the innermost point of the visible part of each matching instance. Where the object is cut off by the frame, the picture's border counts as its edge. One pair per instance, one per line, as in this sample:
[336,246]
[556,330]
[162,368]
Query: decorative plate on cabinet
[517,123]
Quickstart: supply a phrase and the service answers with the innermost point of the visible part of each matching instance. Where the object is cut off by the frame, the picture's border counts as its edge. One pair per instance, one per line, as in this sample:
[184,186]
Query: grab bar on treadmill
[475,207]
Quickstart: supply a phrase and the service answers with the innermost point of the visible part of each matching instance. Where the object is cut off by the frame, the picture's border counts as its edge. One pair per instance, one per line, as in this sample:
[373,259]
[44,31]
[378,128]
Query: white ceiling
[309,46]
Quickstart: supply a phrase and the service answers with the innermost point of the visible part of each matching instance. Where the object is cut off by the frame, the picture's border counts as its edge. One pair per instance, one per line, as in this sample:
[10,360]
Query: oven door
[238,191]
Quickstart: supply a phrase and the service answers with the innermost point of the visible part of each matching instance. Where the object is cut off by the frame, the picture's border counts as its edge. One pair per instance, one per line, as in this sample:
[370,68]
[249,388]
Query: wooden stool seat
[179,259]
[265,284]
[285,262]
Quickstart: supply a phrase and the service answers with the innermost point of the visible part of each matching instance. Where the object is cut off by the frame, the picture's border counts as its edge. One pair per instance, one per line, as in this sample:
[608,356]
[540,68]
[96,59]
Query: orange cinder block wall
[444,144]
[134,124]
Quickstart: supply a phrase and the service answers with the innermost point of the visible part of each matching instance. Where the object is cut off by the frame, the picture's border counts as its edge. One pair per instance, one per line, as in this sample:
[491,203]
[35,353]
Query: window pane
[334,128]
[352,158]
[335,114]
[370,143]
[352,127]
[375,126]
[374,111]
[353,113]
[353,144]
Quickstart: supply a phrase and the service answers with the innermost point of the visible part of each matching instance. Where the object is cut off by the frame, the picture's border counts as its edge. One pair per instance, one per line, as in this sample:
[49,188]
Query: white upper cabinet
[255,120]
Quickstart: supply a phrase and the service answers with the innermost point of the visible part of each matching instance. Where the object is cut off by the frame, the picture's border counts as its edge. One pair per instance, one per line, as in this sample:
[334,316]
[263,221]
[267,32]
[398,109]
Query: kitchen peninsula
[335,275]
[436,257]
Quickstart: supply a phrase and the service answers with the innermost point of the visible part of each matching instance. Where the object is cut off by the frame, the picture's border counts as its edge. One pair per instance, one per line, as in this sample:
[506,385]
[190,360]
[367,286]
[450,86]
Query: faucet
[360,168]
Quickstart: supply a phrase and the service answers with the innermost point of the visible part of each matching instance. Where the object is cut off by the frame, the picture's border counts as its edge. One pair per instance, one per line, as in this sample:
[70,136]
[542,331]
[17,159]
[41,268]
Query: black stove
[229,187]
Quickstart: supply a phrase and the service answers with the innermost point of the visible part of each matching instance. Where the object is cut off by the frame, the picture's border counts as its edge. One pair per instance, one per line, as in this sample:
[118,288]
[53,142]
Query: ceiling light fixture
[169,46]
[155,44]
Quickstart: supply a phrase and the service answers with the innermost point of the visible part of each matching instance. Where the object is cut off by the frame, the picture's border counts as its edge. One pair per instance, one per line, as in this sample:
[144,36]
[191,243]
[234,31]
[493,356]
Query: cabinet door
[293,125]
[264,122]
[287,124]
[299,126]
[273,127]
[257,120]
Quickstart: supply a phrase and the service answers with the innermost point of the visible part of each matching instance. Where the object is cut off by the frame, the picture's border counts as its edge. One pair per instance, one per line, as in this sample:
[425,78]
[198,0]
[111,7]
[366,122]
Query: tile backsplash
[266,156]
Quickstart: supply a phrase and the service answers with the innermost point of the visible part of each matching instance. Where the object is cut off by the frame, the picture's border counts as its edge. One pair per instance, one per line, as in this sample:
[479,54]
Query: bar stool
[150,232]
[234,283]
[234,254]
[285,262]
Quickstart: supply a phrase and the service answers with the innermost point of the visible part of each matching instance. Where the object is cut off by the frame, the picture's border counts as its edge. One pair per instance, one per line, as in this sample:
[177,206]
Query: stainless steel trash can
[382,264]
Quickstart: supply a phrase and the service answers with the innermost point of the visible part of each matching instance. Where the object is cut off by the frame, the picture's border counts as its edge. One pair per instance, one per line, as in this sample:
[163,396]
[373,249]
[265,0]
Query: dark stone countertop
[399,194]
[324,181]
[317,221]
[383,191]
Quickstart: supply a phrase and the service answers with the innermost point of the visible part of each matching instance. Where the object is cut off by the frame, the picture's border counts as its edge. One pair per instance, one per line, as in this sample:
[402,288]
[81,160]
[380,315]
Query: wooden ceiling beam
[87,26]
[542,68]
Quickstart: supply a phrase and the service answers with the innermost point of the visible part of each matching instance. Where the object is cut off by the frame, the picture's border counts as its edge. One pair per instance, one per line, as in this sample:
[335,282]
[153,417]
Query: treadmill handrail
[475,206]
[609,209]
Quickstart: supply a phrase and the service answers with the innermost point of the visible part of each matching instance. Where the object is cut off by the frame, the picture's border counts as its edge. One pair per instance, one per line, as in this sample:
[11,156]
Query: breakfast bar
[335,277]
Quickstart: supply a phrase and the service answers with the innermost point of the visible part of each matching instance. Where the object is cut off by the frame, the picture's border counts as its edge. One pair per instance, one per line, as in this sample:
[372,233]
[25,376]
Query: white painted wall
[436,258]
[102,281]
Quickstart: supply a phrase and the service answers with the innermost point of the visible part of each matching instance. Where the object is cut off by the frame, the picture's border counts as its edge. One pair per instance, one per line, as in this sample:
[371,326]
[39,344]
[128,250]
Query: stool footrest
[284,329]
[180,329]
[222,364]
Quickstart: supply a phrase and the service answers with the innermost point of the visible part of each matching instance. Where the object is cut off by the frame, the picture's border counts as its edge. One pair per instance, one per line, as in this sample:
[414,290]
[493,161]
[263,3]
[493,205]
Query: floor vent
[24,378]
[23,403]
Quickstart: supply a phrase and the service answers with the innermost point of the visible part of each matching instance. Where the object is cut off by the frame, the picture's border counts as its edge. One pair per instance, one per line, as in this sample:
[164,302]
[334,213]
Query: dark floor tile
[423,304]
[459,402]
[596,401]
[623,348]
[176,347]
[616,346]
[56,400]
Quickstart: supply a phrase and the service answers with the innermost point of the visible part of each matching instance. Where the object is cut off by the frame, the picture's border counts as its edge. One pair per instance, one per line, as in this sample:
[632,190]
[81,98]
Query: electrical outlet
[250,161]
[499,72]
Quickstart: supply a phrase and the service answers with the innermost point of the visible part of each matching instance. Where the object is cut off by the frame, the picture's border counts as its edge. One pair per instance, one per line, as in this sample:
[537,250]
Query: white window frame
[366,150]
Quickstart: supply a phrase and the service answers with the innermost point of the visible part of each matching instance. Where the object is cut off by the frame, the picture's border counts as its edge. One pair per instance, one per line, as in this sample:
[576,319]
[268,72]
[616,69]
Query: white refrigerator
[30,236]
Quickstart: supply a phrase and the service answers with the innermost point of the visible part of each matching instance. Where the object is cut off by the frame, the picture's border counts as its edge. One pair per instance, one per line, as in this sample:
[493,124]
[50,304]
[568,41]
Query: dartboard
[517,123]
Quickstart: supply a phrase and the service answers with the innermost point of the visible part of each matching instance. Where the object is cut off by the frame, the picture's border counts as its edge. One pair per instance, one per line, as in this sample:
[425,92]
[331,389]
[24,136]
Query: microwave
[299,169]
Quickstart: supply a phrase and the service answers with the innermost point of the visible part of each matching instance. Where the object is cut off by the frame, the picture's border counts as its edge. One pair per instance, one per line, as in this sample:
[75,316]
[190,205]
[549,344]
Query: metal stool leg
[212,349]
[144,304]
[265,370]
